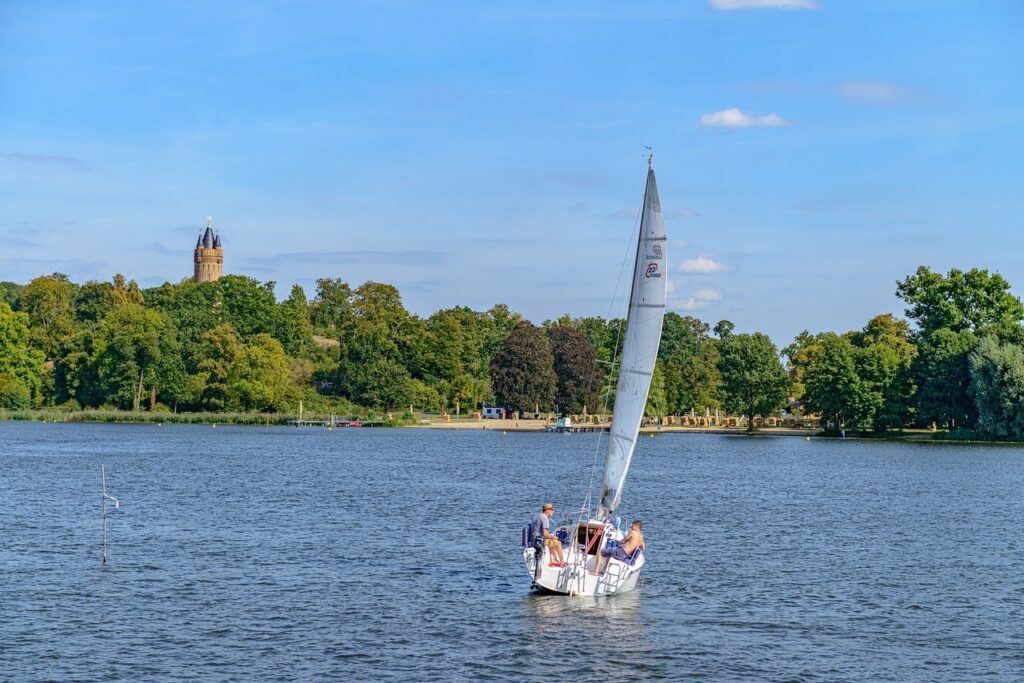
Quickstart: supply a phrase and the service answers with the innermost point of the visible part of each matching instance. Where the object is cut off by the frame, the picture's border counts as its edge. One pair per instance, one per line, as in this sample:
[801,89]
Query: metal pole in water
[103,499]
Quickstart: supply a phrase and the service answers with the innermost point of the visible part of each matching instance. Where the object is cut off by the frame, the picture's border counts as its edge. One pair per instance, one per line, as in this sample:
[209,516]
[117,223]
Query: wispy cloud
[46,160]
[625,214]
[702,264]
[337,258]
[696,301]
[730,5]
[581,206]
[873,92]
[707,295]
[737,118]
[163,249]
[681,213]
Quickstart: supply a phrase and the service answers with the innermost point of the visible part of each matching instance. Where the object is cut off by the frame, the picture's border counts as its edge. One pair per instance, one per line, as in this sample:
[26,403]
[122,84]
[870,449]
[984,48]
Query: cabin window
[588,537]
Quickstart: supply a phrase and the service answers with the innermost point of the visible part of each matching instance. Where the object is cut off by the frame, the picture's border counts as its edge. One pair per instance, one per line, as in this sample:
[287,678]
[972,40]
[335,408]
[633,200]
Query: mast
[640,348]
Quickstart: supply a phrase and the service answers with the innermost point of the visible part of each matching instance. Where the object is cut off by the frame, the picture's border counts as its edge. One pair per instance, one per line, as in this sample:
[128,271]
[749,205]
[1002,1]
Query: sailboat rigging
[584,571]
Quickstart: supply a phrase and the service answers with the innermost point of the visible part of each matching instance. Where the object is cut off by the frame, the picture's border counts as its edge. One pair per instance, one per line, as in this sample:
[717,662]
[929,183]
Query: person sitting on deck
[539,528]
[624,551]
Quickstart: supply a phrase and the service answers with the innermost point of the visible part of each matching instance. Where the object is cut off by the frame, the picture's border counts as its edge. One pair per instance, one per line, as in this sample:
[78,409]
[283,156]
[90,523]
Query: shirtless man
[633,540]
[540,525]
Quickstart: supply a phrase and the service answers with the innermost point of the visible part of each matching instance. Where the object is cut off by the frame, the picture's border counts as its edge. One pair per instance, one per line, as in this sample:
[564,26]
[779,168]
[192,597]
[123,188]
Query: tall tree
[753,379]
[942,373]
[294,330]
[522,374]
[576,373]
[960,301]
[48,302]
[832,386]
[127,353]
[997,386]
[329,307]
[689,359]
[21,367]
[211,383]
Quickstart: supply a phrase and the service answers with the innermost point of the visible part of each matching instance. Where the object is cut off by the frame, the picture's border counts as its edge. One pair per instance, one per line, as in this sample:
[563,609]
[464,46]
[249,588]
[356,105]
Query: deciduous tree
[522,374]
[753,379]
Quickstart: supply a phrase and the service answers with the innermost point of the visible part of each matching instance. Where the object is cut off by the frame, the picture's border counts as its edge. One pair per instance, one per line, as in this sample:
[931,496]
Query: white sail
[640,348]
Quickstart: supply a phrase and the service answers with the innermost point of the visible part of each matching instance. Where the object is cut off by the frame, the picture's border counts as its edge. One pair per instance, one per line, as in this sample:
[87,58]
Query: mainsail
[640,349]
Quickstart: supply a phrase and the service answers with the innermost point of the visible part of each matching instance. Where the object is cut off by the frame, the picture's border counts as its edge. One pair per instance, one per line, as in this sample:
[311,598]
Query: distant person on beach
[540,528]
[623,550]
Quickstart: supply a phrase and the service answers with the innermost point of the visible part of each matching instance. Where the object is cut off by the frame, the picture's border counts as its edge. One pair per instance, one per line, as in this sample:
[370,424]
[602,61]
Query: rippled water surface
[284,554]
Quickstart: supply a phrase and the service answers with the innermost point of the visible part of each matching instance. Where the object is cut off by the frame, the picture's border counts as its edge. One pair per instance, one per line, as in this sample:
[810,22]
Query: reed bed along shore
[140,417]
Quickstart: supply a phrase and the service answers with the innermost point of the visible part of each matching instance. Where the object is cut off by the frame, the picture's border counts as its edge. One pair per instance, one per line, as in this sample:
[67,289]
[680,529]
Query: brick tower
[209,256]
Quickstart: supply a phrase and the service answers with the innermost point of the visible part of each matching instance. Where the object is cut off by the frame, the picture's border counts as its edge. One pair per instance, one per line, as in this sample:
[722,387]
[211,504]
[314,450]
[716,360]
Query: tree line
[956,360]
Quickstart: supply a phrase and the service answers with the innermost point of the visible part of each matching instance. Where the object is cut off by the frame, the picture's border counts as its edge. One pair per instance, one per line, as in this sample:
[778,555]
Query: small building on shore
[493,413]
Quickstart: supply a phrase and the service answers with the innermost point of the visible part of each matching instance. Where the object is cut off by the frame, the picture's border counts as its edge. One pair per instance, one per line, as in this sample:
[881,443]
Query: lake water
[283,554]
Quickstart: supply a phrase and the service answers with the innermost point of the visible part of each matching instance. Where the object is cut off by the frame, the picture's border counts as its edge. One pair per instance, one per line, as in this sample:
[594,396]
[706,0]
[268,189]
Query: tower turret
[209,256]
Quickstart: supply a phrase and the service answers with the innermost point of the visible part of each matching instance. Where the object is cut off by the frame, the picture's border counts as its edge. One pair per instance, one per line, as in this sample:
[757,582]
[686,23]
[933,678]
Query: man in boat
[624,550]
[540,529]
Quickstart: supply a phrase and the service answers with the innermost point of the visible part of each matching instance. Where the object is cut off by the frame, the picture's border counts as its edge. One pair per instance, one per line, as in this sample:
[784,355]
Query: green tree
[126,353]
[885,358]
[211,383]
[997,387]
[9,292]
[753,379]
[522,374]
[384,384]
[48,302]
[689,358]
[657,405]
[294,330]
[960,301]
[577,380]
[247,305]
[942,374]
[258,377]
[832,387]
[21,366]
[328,310]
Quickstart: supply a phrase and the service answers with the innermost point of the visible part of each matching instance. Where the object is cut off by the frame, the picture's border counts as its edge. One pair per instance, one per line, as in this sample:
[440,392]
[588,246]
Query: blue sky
[809,153]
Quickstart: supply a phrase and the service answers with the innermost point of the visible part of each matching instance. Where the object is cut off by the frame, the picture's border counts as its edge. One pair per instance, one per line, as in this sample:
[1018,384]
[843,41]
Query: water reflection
[617,615]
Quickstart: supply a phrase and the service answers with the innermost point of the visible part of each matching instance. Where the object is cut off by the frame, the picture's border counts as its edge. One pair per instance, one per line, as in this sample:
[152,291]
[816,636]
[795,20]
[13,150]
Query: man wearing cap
[539,528]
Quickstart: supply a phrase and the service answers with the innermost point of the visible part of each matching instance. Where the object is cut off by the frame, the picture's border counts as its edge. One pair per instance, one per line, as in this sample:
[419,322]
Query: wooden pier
[331,424]
[576,429]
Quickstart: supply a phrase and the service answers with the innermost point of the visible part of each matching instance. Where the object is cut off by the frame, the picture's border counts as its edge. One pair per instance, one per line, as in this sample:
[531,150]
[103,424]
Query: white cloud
[736,118]
[729,5]
[682,213]
[707,295]
[702,264]
[697,301]
[872,92]
[689,304]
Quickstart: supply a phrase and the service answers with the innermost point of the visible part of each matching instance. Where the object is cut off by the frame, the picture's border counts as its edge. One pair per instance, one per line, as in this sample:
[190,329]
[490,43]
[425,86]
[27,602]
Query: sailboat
[585,571]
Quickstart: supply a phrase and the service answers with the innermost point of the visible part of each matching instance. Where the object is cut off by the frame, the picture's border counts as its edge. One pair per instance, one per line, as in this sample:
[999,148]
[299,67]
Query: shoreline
[504,426]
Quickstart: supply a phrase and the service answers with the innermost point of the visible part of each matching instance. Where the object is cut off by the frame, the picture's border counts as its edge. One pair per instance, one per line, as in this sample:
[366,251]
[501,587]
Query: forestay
[640,348]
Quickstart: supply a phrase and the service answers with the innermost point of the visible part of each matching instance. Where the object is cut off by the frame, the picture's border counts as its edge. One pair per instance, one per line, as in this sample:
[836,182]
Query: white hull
[579,575]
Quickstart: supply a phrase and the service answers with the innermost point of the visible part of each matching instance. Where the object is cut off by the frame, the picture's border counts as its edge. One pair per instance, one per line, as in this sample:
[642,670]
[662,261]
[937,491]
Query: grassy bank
[161,417]
[125,416]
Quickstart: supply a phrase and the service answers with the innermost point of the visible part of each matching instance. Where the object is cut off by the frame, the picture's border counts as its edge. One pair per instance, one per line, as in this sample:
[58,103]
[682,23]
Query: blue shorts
[616,552]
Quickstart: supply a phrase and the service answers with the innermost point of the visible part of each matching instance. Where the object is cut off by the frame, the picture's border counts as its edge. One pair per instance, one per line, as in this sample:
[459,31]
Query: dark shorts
[615,552]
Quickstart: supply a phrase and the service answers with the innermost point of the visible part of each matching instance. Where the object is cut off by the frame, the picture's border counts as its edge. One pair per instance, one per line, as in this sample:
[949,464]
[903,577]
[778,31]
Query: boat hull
[582,573]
